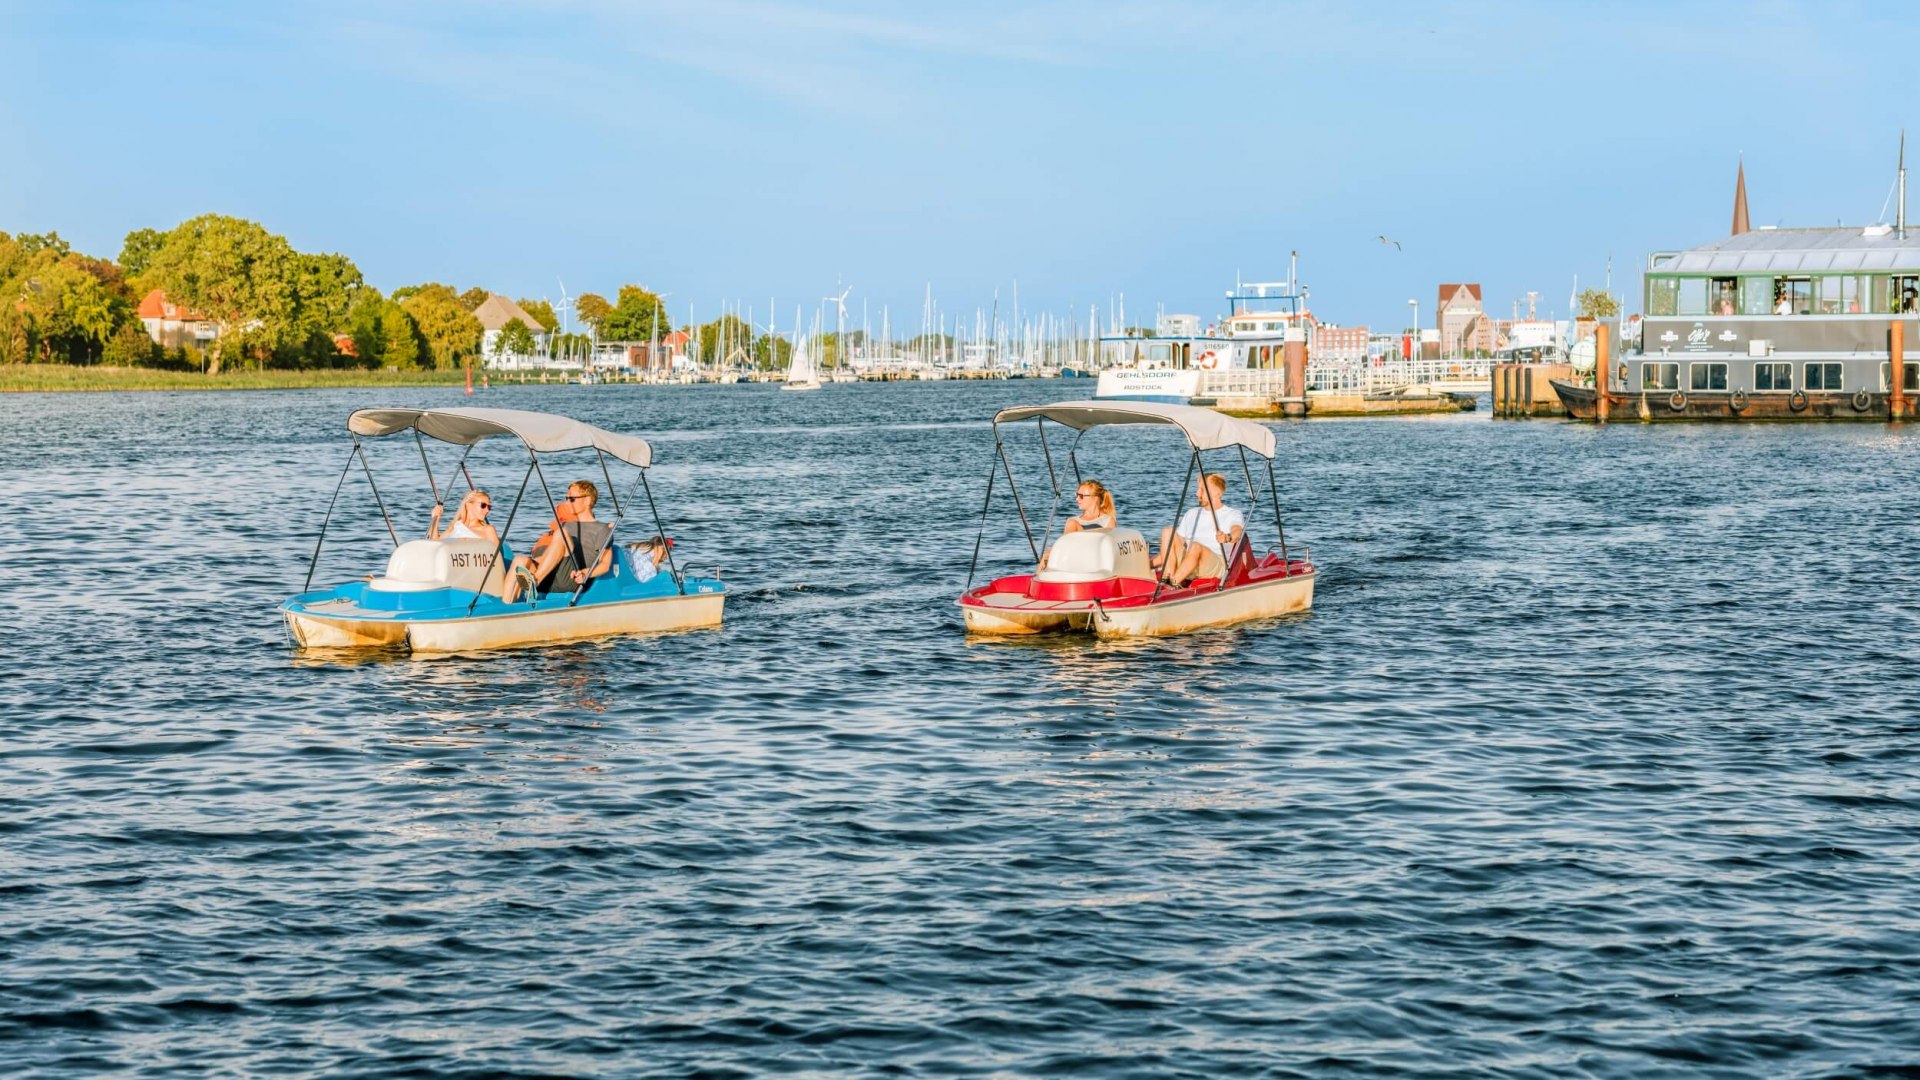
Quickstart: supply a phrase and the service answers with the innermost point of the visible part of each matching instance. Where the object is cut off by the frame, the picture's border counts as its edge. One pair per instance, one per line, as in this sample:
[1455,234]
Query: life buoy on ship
[1208,360]
[1737,401]
[1797,400]
[1862,400]
[1678,402]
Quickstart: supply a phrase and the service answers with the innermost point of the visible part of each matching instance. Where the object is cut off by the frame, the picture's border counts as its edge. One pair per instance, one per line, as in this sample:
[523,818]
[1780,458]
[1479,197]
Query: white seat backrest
[418,565]
[417,562]
[1096,555]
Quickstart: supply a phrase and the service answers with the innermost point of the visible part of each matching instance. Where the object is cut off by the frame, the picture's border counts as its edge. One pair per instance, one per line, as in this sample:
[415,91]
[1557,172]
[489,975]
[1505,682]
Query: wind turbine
[840,324]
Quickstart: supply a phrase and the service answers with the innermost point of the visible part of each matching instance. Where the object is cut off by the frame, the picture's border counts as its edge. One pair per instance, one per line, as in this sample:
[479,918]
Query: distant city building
[495,313]
[1463,325]
[171,325]
[1332,342]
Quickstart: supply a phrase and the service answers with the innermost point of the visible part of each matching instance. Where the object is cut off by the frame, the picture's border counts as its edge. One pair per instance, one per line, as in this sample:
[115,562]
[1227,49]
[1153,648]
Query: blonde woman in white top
[469,522]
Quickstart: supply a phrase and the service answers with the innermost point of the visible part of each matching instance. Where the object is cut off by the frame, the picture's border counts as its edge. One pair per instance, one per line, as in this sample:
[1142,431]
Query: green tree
[449,330]
[722,336]
[137,252]
[240,276]
[71,312]
[327,287]
[473,298]
[592,308]
[514,339]
[32,244]
[129,346]
[1597,304]
[542,313]
[401,345]
[771,352]
[637,316]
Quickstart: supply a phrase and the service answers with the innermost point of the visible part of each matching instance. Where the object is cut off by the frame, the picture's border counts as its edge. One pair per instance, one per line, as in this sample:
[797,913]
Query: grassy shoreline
[58,378]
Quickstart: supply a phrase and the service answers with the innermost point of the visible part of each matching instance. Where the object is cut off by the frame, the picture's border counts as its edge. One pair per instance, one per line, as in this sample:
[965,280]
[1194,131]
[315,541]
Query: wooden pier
[1524,390]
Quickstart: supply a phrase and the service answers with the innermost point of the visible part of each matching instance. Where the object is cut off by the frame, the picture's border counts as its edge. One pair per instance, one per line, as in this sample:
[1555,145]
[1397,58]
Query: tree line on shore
[270,305]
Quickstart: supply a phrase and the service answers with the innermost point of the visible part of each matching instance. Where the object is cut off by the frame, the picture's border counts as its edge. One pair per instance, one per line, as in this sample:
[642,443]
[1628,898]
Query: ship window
[1905,294]
[1823,376]
[1839,294]
[1757,296]
[1663,294]
[1708,376]
[1913,376]
[1659,376]
[1772,376]
[1793,296]
[1693,296]
[1722,296]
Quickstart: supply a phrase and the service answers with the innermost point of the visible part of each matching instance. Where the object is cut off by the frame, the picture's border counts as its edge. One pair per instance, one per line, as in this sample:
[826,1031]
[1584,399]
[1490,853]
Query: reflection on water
[1594,758]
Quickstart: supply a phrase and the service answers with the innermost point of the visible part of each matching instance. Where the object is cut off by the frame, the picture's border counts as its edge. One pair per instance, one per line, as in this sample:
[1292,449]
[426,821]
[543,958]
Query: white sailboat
[801,374]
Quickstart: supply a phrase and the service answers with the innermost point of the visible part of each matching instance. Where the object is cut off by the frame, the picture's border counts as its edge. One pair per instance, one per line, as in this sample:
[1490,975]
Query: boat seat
[423,565]
[1096,555]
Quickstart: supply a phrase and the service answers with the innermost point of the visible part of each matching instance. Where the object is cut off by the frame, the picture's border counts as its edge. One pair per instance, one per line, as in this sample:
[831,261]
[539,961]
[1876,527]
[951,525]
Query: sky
[737,151]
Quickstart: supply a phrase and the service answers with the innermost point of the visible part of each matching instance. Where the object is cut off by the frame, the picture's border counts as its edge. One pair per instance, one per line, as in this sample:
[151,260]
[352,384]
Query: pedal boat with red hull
[444,595]
[1100,581]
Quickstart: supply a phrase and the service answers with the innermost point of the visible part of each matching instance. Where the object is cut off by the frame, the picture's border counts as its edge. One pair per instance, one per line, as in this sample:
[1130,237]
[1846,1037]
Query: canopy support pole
[1252,495]
[661,531]
[1274,492]
[431,486]
[978,536]
[1160,578]
[358,449]
[1053,513]
[462,465]
[1040,425]
[500,539]
[1213,511]
[1074,458]
[611,490]
[560,531]
[329,518]
[1014,489]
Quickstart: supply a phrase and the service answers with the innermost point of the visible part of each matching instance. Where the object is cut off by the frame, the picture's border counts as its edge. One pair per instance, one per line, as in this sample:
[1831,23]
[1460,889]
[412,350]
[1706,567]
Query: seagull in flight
[1395,243]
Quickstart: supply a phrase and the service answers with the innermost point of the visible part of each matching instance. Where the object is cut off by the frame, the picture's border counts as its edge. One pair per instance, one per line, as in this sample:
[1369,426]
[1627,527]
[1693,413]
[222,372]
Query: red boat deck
[1021,592]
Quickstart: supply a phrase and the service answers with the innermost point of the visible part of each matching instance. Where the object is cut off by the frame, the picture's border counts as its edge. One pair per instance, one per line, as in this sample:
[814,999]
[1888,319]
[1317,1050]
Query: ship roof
[1875,247]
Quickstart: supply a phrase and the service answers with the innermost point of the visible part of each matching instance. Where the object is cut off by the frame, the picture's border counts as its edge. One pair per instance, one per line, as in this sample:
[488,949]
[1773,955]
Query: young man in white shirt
[1199,545]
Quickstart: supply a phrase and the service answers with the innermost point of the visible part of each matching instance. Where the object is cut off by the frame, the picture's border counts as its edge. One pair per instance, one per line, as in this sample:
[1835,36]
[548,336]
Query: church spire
[1740,200]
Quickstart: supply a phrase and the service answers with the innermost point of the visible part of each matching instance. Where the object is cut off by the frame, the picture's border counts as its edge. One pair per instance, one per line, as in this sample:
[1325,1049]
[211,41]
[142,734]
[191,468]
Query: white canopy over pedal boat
[1102,580]
[445,595]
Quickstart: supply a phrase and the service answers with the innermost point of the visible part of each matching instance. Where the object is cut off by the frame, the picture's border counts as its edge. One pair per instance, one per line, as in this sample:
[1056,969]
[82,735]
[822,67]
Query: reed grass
[49,378]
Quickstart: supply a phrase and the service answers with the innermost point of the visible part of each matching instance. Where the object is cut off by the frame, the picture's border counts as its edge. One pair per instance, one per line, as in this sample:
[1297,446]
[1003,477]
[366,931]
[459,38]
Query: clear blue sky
[740,149]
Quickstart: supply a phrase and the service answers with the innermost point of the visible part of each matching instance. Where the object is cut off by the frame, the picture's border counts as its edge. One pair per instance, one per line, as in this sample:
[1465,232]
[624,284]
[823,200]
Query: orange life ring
[1208,360]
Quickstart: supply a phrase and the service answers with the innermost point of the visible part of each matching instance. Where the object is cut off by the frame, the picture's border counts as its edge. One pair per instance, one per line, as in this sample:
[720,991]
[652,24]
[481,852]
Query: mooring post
[1897,370]
[1293,394]
[1602,370]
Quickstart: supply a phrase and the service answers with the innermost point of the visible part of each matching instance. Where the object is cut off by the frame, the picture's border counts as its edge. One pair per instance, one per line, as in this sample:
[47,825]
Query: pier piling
[1293,400]
[1602,372]
[1897,370]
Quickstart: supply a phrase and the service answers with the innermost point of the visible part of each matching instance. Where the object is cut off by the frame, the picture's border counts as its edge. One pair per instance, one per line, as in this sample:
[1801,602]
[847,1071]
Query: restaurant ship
[1770,324]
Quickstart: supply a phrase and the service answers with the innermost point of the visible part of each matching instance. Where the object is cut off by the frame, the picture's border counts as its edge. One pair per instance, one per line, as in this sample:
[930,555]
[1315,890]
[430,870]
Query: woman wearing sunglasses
[470,523]
[1095,511]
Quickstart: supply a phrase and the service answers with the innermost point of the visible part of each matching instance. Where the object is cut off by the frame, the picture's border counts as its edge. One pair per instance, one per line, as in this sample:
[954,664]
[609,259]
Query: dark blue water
[1597,756]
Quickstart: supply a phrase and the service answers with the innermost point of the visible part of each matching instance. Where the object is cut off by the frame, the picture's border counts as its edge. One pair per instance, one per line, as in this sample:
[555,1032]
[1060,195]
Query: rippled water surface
[1595,757]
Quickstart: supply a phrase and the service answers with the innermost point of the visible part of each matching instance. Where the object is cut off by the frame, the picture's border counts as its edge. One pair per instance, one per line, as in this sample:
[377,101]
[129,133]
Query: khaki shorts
[1210,564]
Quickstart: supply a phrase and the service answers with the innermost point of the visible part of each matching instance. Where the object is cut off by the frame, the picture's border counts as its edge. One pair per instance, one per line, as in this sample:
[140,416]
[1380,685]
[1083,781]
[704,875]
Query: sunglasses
[570,498]
[484,505]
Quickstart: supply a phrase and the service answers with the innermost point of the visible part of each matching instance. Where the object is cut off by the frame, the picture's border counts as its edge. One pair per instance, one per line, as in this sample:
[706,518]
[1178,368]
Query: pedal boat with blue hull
[444,595]
[1101,581]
